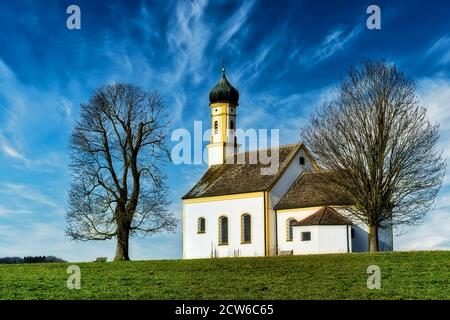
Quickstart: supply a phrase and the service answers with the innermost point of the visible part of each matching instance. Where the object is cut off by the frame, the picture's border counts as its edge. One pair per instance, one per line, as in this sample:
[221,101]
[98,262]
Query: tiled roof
[325,216]
[313,189]
[241,178]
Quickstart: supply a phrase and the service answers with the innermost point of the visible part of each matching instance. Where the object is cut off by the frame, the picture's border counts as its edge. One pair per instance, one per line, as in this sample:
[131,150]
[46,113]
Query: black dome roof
[224,92]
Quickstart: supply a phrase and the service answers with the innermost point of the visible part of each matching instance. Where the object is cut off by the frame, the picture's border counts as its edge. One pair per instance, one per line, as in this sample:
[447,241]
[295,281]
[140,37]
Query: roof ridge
[221,179]
[286,165]
[323,213]
[271,148]
[293,184]
[317,218]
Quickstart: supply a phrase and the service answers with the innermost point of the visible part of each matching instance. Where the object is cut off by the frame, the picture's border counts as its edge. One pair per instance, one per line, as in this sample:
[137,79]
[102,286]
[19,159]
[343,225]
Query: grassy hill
[412,275]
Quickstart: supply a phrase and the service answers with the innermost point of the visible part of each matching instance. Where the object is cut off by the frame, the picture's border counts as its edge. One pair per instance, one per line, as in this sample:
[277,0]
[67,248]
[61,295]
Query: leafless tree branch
[118,149]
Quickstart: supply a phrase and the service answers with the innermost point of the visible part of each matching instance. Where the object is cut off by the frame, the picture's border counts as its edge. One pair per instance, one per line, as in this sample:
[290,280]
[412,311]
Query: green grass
[412,275]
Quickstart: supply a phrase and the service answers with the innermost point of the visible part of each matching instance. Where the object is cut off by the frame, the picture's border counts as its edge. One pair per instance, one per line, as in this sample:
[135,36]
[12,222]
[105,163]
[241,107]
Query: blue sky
[285,58]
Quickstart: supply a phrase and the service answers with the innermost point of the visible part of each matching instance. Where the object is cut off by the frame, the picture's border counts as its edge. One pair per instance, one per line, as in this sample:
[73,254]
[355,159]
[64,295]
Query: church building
[234,210]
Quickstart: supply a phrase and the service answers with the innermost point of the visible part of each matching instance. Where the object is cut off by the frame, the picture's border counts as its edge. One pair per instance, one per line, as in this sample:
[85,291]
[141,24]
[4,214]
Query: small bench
[101,259]
[285,253]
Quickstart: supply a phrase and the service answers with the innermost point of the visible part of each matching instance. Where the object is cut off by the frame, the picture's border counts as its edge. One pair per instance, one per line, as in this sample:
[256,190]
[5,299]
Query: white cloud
[39,238]
[67,107]
[434,233]
[333,42]
[26,192]
[32,239]
[26,115]
[8,150]
[8,212]
[441,50]
[435,94]
[252,69]
[235,22]
[188,36]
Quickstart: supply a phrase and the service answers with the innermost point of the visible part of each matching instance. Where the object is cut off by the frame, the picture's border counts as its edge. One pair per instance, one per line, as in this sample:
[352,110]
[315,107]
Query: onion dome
[224,91]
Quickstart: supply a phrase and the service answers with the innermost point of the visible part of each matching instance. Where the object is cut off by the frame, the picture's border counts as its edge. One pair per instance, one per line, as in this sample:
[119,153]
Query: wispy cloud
[26,192]
[433,234]
[435,94]
[8,150]
[188,36]
[262,58]
[336,40]
[440,50]
[28,114]
[235,23]
[12,212]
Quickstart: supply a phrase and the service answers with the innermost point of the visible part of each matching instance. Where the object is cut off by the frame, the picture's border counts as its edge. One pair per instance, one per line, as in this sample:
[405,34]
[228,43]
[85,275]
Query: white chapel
[235,211]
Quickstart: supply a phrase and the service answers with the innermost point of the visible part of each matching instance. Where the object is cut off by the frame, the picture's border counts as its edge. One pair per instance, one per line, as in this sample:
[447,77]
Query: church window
[223,230]
[216,127]
[289,229]
[201,225]
[306,236]
[302,161]
[246,228]
[232,125]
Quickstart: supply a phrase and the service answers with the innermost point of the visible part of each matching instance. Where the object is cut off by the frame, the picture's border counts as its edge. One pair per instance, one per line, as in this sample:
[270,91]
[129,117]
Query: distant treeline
[37,259]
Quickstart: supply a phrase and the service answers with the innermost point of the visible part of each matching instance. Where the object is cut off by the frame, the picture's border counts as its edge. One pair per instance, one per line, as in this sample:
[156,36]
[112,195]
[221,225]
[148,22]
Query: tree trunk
[373,238]
[123,235]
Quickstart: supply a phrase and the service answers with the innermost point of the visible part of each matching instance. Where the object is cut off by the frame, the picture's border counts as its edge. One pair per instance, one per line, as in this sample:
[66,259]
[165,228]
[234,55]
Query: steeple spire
[224,91]
[223,100]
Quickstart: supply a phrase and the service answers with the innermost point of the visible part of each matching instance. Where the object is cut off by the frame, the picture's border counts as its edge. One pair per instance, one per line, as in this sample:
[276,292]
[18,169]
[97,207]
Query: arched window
[302,161]
[201,225]
[216,127]
[246,228]
[231,124]
[223,230]
[289,231]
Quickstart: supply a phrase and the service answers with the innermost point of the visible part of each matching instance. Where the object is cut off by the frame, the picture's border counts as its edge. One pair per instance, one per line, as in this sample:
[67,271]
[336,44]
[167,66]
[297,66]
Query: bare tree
[376,139]
[118,148]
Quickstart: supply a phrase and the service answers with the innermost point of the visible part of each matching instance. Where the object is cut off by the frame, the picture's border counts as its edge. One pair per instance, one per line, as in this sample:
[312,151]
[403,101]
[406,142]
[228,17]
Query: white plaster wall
[201,245]
[360,242]
[305,247]
[282,218]
[215,154]
[291,174]
[324,239]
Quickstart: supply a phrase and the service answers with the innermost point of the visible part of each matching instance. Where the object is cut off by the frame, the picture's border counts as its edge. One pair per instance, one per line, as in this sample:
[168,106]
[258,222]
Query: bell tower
[223,102]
